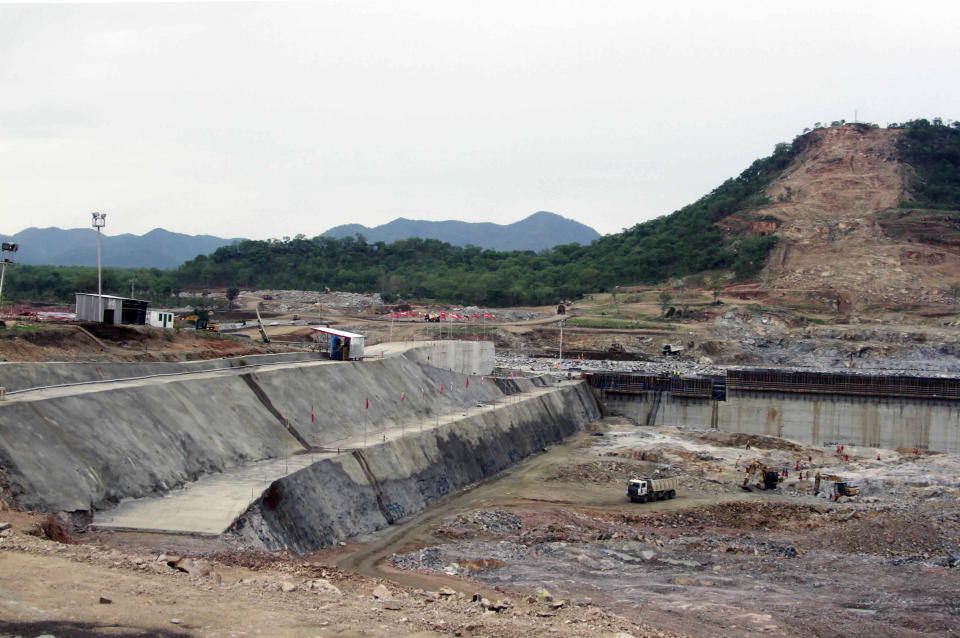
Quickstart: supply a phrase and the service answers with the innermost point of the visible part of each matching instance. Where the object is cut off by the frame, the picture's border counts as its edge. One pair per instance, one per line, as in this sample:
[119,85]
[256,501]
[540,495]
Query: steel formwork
[760,380]
[848,384]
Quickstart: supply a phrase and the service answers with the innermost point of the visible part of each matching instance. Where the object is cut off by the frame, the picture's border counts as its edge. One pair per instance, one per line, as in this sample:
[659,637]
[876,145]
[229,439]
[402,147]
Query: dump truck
[641,490]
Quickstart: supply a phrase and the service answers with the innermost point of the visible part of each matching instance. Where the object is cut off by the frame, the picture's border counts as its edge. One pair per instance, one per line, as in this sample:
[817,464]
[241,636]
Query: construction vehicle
[672,349]
[767,479]
[615,347]
[840,486]
[641,490]
[263,333]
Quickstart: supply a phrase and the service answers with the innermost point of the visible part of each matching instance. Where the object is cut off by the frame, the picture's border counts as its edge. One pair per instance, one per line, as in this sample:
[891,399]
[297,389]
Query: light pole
[99,220]
[560,358]
[5,248]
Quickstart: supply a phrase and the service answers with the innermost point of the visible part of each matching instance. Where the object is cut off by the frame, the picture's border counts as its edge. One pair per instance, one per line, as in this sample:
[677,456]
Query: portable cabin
[116,310]
[160,318]
[344,346]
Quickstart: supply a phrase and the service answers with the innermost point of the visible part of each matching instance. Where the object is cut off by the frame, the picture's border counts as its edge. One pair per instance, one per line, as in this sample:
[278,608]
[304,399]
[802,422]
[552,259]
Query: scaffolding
[847,384]
[762,380]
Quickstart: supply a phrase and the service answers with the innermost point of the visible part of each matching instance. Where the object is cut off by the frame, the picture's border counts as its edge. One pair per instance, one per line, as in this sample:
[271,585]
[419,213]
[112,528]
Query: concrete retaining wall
[830,420]
[808,418]
[92,449]
[362,492]
[466,357]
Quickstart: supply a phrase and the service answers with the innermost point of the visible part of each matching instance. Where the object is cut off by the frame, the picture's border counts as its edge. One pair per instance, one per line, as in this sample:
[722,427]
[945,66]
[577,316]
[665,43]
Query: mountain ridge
[158,248]
[539,231]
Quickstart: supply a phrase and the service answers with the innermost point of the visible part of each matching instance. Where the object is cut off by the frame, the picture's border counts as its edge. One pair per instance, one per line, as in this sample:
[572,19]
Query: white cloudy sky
[272,119]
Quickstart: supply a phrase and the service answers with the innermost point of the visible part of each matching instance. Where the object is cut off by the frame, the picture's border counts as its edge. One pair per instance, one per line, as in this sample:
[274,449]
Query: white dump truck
[641,490]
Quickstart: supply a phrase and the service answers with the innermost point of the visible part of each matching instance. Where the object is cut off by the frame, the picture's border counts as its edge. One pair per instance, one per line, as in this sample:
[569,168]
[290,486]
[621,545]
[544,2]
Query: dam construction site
[440,487]
[758,436]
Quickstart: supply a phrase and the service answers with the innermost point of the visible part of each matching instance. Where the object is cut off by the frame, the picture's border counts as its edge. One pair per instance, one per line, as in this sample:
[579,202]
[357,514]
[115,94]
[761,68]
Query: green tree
[232,293]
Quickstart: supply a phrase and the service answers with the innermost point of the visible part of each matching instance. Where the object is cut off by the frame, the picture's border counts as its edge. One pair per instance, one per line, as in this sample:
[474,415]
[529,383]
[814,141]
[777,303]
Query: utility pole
[99,220]
[560,358]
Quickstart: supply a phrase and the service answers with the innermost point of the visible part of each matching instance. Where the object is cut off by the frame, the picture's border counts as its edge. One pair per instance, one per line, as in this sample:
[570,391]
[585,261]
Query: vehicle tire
[672,494]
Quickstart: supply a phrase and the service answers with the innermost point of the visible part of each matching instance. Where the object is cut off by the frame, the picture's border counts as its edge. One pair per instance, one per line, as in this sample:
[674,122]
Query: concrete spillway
[262,442]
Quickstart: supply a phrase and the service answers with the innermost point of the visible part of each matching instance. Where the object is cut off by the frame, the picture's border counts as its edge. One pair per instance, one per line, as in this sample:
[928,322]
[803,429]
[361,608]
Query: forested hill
[906,181]
[679,244]
[539,231]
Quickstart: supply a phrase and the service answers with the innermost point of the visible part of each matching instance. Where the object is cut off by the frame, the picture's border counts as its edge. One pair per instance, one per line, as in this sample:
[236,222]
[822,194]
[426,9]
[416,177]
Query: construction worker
[816,483]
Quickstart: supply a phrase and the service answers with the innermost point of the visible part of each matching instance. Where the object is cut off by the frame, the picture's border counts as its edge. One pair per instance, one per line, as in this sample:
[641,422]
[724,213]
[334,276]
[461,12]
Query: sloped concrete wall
[360,493]
[92,449]
[76,452]
[20,376]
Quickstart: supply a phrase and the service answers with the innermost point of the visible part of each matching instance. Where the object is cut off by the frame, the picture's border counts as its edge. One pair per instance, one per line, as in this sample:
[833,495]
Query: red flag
[403,396]
[368,404]
[487,315]
[311,414]
[476,316]
[396,316]
[441,388]
[468,382]
[443,315]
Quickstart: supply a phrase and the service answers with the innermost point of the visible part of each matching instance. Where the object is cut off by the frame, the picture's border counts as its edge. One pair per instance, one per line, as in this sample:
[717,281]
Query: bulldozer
[767,479]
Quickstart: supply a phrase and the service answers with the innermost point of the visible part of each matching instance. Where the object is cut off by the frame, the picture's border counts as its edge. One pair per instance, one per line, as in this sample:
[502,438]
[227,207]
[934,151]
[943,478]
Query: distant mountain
[537,232]
[78,247]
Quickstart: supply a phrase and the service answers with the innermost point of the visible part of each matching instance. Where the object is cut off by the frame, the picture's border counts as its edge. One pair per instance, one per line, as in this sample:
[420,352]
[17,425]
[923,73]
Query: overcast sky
[272,119]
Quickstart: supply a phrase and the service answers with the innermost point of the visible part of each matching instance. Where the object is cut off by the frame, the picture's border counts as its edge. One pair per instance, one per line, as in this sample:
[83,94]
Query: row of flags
[403,396]
[443,315]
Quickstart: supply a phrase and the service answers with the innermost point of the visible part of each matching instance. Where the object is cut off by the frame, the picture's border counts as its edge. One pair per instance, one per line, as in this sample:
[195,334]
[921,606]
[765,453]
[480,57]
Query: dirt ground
[551,547]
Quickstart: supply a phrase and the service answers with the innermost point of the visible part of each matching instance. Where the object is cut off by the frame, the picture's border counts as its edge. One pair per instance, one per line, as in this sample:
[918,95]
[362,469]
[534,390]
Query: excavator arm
[263,333]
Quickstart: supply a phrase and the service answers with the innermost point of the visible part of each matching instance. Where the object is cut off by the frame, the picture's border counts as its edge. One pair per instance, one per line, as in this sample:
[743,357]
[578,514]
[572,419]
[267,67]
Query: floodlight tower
[99,220]
[6,247]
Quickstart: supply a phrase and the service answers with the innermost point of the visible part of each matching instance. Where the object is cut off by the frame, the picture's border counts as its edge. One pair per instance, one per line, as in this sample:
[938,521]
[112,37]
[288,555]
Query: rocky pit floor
[551,547]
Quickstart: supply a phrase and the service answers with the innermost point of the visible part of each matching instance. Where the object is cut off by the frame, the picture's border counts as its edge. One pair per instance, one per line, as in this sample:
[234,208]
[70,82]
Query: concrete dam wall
[369,489]
[88,447]
[815,419]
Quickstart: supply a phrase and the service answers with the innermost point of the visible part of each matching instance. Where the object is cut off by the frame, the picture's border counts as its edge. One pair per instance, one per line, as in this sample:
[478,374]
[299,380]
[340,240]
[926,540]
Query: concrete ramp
[206,507]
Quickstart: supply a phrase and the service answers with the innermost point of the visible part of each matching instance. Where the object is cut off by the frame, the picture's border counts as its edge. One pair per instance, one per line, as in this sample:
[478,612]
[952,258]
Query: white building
[160,318]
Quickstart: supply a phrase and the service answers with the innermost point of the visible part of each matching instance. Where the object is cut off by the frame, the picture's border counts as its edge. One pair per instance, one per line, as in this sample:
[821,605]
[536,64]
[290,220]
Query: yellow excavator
[767,479]
[840,486]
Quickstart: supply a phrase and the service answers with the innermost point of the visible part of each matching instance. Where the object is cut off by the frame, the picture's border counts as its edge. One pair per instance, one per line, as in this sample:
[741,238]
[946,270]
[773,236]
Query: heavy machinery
[767,479]
[641,490]
[840,487]
[615,347]
[263,333]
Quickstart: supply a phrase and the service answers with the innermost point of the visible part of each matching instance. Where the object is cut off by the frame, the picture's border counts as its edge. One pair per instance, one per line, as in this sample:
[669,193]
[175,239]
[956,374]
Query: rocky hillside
[844,238]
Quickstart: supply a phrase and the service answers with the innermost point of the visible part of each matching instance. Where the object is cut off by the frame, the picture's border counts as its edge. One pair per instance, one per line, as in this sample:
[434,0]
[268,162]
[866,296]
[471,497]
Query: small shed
[160,318]
[116,310]
[344,346]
